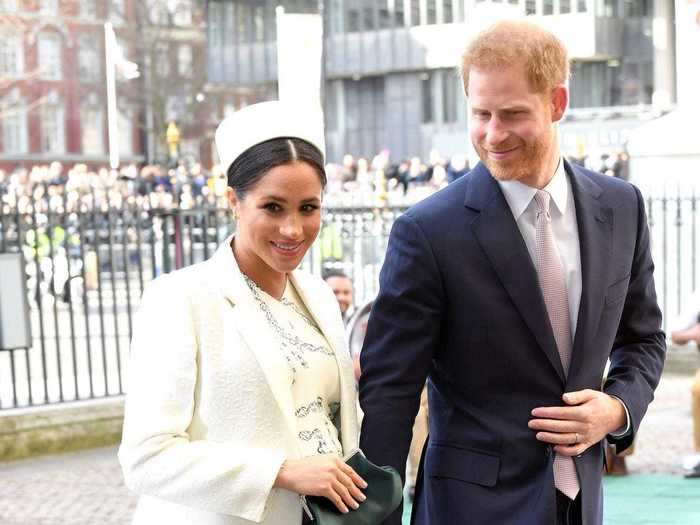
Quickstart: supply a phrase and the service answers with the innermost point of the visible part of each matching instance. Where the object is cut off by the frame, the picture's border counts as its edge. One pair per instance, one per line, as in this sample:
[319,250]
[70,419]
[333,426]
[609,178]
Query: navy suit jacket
[460,304]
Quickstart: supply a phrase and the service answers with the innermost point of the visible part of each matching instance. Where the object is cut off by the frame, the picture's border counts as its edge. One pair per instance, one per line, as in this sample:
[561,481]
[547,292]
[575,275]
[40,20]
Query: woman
[241,395]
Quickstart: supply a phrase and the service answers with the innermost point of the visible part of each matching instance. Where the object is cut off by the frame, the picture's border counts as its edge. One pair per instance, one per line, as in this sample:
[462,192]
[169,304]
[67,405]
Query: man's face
[342,288]
[512,128]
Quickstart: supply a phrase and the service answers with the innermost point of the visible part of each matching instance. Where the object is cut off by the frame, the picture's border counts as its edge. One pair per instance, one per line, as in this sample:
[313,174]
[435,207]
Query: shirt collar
[519,195]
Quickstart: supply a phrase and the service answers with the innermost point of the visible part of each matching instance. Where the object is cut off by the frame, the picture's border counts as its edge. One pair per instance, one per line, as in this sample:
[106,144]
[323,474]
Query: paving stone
[86,488]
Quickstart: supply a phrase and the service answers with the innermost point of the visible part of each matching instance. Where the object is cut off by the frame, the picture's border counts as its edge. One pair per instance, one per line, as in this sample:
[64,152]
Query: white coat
[209,415]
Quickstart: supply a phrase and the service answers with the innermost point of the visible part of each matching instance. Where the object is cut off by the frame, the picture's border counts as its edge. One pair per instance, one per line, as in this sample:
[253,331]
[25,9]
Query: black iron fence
[86,269]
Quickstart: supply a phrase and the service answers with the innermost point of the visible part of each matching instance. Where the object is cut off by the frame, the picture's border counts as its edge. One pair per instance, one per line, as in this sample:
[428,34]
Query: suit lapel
[332,328]
[595,222]
[254,330]
[499,236]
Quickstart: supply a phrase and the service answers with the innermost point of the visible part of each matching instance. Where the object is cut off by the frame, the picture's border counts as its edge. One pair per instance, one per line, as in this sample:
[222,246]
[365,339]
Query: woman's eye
[271,206]
[309,208]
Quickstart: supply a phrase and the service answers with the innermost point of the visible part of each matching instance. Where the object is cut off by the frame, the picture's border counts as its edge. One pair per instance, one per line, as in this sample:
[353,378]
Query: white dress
[312,370]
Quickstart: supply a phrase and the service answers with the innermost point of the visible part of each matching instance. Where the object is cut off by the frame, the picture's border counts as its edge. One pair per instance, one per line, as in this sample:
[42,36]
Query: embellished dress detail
[313,370]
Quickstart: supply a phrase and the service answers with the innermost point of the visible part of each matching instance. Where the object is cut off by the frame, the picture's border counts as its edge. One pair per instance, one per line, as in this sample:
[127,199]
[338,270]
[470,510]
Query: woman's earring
[235,214]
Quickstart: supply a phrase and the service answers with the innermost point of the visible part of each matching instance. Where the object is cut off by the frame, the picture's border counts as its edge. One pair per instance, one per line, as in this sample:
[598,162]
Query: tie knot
[542,200]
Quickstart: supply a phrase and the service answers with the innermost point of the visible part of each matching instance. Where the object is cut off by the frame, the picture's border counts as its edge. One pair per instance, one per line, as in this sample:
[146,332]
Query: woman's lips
[287,248]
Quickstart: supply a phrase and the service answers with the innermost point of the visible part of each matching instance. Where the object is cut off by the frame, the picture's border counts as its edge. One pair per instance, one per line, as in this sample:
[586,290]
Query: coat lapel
[255,330]
[499,236]
[331,326]
[595,222]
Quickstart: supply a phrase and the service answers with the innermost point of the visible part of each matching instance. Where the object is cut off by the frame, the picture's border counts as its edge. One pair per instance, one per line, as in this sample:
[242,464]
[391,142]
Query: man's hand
[588,418]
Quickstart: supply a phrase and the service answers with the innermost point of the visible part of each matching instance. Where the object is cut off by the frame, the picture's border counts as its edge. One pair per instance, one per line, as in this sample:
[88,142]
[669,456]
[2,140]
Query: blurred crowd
[354,182]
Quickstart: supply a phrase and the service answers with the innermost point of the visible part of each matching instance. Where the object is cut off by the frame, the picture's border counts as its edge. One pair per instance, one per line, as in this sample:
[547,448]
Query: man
[510,300]
[342,288]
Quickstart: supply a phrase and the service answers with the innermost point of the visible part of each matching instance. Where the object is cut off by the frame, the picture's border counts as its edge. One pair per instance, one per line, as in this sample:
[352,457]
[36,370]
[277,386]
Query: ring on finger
[577,438]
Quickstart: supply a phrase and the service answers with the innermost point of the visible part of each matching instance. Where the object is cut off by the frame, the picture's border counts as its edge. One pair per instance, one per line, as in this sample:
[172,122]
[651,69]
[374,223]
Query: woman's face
[278,219]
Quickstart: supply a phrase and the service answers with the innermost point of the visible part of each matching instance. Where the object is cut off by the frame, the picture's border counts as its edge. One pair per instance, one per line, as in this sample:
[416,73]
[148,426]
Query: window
[243,25]
[427,97]
[415,12]
[530,7]
[607,8]
[11,55]
[184,60]
[399,14]
[259,23]
[335,14]
[162,58]
[91,122]
[50,56]
[431,12]
[88,8]
[581,6]
[159,14]
[8,6]
[117,11]
[52,125]
[638,8]
[383,17]
[368,16]
[449,96]
[13,116]
[88,59]
[353,20]
[181,11]
[547,7]
[564,6]
[125,129]
[48,7]
[448,15]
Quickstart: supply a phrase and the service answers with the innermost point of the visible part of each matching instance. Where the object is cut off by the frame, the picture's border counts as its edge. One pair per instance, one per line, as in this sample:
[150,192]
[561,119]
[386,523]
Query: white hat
[264,121]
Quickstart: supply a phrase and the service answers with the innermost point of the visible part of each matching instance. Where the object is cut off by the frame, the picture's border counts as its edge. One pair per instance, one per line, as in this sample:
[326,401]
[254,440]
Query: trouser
[568,510]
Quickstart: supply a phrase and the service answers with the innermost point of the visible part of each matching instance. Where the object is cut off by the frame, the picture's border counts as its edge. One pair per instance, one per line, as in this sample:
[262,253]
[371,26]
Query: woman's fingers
[350,485]
[344,493]
[356,479]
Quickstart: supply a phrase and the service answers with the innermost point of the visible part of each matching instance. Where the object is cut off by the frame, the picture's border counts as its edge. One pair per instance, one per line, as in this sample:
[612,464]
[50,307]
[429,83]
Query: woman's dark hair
[256,161]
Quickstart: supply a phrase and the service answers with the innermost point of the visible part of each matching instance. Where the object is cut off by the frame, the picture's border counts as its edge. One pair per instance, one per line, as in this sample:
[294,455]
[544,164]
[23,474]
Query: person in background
[241,397]
[688,331]
[342,287]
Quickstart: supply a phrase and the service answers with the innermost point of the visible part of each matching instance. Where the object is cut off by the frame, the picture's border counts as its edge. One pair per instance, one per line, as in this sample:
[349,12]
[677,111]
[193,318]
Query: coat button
[547,450]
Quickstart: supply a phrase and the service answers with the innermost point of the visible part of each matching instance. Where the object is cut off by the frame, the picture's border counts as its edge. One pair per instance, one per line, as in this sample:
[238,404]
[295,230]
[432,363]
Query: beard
[529,161]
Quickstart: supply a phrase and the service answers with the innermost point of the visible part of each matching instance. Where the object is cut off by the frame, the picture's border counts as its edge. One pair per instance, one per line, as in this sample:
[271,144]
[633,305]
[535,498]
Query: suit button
[547,450]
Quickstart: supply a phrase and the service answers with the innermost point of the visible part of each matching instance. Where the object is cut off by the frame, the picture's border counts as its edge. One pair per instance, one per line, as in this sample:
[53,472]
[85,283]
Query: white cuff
[622,431]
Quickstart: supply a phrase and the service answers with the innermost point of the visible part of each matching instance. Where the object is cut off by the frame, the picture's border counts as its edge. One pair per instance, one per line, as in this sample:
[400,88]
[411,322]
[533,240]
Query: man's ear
[559,101]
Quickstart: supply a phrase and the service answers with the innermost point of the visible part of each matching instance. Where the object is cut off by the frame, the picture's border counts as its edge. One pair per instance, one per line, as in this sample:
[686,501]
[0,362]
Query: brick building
[53,90]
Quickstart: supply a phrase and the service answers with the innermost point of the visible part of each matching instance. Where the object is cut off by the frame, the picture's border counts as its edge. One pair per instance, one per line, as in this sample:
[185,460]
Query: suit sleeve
[639,350]
[156,454]
[402,335]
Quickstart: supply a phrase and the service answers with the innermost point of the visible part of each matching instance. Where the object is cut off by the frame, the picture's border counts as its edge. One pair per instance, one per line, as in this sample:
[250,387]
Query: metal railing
[86,270]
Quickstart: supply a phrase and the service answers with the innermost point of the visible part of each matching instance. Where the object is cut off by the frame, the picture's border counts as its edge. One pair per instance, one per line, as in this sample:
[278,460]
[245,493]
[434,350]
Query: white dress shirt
[562,210]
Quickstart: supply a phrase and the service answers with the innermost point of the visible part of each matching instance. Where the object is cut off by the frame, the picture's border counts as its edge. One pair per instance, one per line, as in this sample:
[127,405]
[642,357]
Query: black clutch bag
[384,492]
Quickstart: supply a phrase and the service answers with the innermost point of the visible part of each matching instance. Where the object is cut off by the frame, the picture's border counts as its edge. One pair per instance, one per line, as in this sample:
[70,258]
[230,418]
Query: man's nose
[495,132]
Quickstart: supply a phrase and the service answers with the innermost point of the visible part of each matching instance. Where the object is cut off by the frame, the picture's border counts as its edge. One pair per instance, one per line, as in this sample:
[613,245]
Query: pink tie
[553,284]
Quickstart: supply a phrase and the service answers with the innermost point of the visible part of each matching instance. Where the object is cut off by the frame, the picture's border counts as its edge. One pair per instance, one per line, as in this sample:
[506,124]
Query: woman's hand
[327,476]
